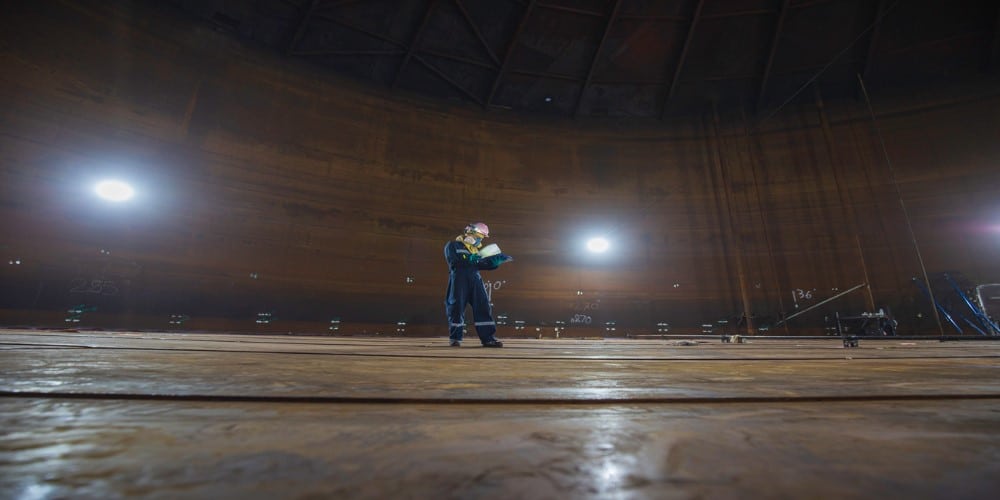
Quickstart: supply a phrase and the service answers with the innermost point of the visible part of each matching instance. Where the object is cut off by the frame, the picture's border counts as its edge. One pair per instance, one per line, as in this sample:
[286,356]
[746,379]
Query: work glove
[501,258]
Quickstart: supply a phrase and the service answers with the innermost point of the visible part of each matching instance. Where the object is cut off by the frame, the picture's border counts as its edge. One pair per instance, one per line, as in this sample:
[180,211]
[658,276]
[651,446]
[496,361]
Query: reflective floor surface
[169,415]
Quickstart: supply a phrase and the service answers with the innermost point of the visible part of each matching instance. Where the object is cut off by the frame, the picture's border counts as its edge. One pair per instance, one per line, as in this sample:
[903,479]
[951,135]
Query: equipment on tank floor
[988,297]
[814,306]
[949,305]
[984,320]
[873,324]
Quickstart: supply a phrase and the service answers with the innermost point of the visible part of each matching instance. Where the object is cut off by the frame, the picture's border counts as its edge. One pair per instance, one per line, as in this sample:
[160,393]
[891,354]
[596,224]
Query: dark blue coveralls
[465,286]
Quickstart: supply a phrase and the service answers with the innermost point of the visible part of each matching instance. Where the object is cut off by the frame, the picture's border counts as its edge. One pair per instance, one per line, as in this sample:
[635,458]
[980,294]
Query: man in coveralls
[465,285]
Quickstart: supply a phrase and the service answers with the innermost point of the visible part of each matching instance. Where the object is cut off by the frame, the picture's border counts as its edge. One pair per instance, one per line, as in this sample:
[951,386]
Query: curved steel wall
[267,187]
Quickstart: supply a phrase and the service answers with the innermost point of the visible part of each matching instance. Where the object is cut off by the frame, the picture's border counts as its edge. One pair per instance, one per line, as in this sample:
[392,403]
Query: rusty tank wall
[267,186]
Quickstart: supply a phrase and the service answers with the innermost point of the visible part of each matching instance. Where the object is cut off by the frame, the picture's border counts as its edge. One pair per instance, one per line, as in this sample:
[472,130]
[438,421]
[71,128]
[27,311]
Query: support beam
[339,3]
[849,222]
[732,237]
[809,3]
[757,162]
[683,56]
[359,29]
[983,34]
[550,76]
[873,40]
[403,51]
[301,28]
[354,52]
[448,79]
[994,62]
[475,29]
[416,42]
[620,81]
[783,13]
[787,71]
[742,13]
[510,50]
[597,54]
[640,17]
[571,10]
[461,59]
[659,82]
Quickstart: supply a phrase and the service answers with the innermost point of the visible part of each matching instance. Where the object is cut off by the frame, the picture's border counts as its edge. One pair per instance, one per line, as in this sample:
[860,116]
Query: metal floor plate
[163,415]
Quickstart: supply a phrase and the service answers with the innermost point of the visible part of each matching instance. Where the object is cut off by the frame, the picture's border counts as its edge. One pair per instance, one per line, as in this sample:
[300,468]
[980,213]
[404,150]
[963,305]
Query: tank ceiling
[620,58]
[280,190]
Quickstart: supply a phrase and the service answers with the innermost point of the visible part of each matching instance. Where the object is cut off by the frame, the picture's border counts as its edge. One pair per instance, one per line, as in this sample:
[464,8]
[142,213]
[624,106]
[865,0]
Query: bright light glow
[114,190]
[598,245]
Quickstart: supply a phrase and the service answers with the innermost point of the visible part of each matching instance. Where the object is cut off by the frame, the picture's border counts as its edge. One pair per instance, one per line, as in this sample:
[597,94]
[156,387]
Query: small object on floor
[493,343]
[455,343]
[683,342]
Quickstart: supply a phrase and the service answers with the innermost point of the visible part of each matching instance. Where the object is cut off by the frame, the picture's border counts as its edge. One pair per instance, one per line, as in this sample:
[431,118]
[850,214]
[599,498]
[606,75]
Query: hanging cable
[902,204]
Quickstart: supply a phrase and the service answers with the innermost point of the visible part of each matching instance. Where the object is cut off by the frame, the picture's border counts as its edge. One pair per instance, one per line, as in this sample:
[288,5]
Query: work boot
[493,343]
